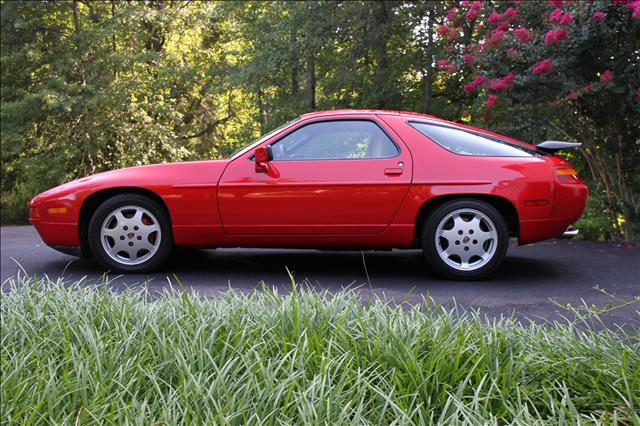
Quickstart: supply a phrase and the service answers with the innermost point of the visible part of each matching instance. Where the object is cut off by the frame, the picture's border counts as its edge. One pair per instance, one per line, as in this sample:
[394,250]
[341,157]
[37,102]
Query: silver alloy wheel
[466,239]
[130,235]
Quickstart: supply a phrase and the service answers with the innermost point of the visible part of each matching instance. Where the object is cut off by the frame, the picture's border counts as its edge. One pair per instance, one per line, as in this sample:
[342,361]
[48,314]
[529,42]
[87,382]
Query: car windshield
[262,139]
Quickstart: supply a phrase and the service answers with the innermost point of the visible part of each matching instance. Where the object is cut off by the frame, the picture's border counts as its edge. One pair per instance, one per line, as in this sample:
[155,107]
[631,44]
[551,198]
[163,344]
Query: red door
[338,176]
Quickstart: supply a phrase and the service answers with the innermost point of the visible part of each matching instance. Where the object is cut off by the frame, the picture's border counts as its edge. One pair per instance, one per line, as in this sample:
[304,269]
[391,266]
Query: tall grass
[79,355]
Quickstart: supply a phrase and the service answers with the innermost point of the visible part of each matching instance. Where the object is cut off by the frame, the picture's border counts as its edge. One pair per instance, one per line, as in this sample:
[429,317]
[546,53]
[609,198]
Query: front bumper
[57,233]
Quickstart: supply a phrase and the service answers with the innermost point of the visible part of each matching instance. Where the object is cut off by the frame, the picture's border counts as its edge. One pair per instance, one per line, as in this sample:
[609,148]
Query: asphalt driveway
[563,270]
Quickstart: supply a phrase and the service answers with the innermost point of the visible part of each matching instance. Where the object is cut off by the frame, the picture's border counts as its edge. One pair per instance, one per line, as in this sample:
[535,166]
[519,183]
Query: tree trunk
[382,20]
[113,37]
[427,74]
[76,31]
[295,86]
[294,80]
[261,118]
[311,82]
[76,21]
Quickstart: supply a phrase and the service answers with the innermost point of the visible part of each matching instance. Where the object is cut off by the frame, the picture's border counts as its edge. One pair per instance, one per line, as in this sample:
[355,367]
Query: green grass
[81,355]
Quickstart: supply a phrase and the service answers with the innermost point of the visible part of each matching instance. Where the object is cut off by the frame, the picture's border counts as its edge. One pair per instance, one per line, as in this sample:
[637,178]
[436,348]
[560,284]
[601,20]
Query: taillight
[567,174]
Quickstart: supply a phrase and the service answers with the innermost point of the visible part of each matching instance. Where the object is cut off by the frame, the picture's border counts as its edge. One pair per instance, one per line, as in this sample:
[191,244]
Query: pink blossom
[453,34]
[555,35]
[512,53]
[503,25]
[443,30]
[471,15]
[509,78]
[502,84]
[468,58]
[497,86]
[476,5]
[567,18]
[494,18]
[491,101]
[587,89]
[496,37]
[449,48]
[510,14]
[464,3]
[523,35]
[606,76]
[556,15]
[543,67]
[598,16]
[471,87]
[555,3]
[635,6]
[478,80]
[572,96]
[452,14]
[444,65]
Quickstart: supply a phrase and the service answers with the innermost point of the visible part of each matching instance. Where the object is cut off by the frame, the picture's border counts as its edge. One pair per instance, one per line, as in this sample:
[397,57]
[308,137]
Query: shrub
[88,355]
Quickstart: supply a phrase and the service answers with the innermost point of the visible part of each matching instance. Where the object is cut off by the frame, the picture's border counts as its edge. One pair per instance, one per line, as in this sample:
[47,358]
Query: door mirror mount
[263,155]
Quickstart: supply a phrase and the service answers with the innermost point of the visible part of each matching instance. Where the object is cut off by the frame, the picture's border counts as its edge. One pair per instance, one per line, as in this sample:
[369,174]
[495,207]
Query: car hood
[149,176]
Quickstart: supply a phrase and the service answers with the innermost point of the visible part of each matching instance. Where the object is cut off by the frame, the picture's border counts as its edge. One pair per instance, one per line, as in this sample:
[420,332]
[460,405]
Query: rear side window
[464,142]
[335,140]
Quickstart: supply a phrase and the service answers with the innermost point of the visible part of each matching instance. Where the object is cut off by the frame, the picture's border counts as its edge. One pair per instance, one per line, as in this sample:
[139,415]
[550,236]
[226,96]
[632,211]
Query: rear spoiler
[553,146]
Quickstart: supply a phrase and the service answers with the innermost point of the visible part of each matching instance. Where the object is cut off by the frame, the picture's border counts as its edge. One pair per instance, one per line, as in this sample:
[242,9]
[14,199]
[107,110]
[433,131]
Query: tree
[567,70]
[94,85]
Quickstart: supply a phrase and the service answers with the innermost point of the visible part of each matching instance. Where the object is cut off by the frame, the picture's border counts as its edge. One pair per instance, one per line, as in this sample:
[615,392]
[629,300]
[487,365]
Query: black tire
[438,263]
[164,247]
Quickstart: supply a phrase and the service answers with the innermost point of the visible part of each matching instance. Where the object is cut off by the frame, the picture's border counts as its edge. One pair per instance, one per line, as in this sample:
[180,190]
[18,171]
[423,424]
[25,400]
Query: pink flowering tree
[557,70]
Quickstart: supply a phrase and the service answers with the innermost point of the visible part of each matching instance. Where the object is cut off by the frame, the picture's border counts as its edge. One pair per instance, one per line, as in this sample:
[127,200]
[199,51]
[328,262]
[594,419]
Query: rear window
[465,142]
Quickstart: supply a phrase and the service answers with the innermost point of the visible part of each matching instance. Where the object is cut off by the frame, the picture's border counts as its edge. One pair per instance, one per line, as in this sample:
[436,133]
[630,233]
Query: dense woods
[89,86]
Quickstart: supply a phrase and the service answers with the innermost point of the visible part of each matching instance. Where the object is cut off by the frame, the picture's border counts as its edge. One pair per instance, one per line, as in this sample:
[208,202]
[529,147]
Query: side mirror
[263,155]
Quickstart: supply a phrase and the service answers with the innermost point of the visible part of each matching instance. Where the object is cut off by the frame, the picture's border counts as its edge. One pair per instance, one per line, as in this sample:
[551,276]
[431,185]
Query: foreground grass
[81,355]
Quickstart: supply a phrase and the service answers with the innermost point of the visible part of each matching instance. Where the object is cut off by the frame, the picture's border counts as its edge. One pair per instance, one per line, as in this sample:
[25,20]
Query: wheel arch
[503,205]
[93,201]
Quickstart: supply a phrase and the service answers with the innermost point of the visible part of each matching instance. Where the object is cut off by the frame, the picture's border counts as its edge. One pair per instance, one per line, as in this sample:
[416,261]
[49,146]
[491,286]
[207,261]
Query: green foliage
[95,85]
[591,94]
[595,223]
[77,355]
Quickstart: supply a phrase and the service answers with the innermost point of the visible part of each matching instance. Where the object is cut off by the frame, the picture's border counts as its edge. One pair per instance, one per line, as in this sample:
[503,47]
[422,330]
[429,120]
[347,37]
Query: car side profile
[346,179]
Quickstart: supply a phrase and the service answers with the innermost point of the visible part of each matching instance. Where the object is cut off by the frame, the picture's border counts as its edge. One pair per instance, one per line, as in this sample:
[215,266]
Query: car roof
[364,111]
[408,114]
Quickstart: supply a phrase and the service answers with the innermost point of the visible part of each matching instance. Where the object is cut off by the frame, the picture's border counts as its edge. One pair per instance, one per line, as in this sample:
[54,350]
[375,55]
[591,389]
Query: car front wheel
[130,233]
[465,239]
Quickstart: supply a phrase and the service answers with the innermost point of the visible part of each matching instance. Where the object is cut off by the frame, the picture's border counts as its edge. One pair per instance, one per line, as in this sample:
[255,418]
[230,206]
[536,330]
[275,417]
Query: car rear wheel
[465,239]
[130,233]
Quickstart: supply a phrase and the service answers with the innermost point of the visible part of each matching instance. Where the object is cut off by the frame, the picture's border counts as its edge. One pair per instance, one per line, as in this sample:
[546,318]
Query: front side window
[335,140]
[263,138]
[465,142]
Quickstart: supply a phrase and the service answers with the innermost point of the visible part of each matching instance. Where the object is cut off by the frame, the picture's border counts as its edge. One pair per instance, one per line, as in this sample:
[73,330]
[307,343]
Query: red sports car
[350,179]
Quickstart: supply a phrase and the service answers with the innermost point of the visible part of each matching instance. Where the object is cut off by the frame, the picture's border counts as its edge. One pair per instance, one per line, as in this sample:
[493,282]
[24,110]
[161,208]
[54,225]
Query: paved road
[562,270]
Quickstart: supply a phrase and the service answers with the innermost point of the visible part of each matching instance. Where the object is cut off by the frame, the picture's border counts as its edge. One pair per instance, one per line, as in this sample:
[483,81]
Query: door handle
[394,171]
